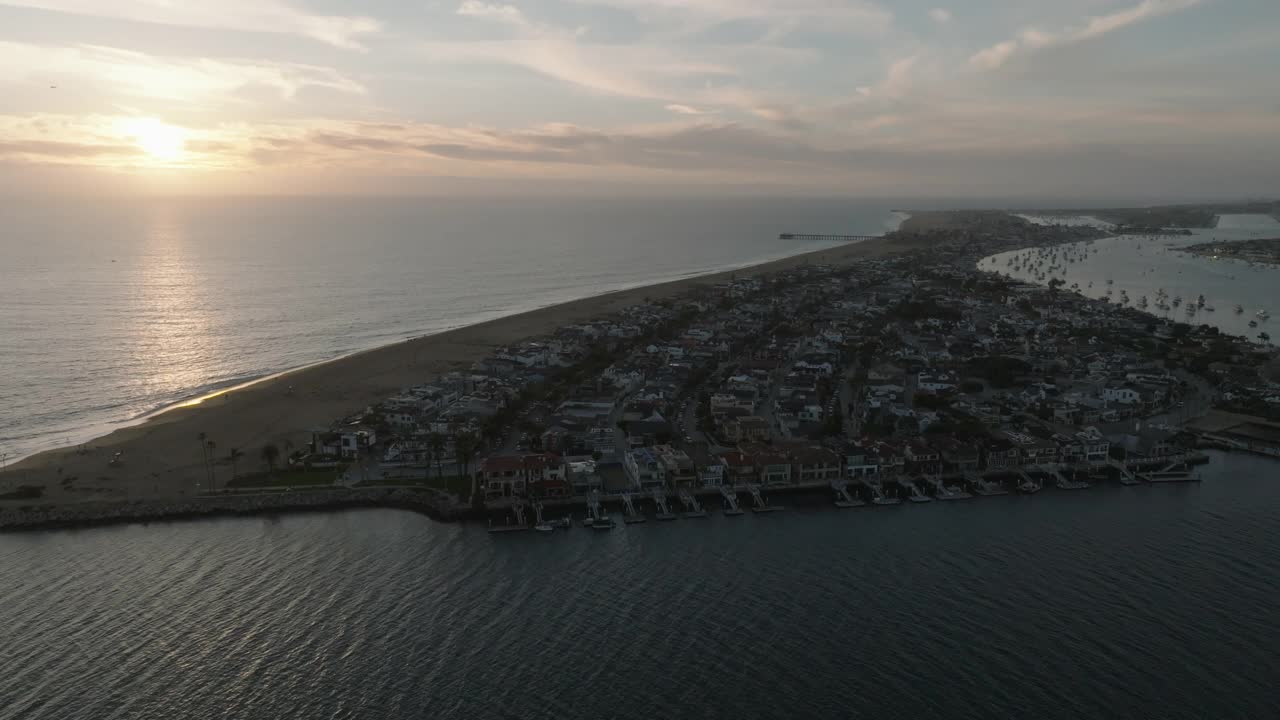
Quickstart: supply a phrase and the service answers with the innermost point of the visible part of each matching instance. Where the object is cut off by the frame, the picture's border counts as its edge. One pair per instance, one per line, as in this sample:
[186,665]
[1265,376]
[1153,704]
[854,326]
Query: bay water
[1112,602]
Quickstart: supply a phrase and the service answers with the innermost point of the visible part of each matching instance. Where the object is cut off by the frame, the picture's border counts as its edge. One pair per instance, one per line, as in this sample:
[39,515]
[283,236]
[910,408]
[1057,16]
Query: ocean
[1113,602]
[115,309]
[1143,265]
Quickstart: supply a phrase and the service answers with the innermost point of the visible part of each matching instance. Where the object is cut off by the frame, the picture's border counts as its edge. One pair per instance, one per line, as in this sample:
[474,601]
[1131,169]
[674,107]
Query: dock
[843,498]
[664,511]
[730,501]
[759,504]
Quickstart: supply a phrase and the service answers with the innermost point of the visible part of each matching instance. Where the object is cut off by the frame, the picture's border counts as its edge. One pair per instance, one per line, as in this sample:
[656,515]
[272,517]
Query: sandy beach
[162,456]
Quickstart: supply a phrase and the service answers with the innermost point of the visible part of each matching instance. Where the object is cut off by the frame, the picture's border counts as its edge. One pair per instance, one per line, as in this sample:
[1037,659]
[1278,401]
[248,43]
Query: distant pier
[833,238]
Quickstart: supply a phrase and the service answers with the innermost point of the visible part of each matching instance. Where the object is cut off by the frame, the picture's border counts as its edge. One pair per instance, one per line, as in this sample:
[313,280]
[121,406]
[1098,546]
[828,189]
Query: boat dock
[512,515]
[758,502]
[730,501]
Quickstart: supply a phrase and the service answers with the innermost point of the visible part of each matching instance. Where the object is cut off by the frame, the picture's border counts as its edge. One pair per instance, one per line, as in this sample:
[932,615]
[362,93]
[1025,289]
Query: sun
[160,141]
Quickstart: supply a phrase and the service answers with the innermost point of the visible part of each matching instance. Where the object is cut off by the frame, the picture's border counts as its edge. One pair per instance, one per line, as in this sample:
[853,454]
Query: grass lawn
[287,477]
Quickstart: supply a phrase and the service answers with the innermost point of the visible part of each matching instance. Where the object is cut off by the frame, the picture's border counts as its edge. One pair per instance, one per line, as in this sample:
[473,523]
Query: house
[957,456]
[677,466]
[813,464]
[750,428]
[774,467]
[347,444]
[644,469]
[739,468]
[711,474]
[1122,395]
[860,464]
[541,475]
[922,457]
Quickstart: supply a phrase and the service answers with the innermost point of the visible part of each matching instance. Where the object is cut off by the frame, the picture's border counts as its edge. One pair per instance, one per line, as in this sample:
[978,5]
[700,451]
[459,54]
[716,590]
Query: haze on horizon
[889,98]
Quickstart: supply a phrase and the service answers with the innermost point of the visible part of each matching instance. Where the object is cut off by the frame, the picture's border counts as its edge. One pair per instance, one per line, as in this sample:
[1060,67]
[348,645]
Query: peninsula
[878,372]
[1266,252]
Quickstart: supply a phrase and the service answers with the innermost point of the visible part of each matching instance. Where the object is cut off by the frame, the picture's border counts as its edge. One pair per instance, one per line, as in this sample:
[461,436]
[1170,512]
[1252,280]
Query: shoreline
[160,454]
[96,431]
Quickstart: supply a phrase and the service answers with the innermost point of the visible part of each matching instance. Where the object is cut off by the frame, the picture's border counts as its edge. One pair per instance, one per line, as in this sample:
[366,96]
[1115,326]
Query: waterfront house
[774,467]
[860,463]
[644,469]
[814,463]
[677,466]
[739,468]
[536,475]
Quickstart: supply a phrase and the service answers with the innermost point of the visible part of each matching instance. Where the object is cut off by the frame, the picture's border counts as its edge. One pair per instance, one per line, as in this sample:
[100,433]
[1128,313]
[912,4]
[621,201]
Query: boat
[1262,314]
[1264,337]
[603,523]
[1239,309]
[1253,323]
[544,527]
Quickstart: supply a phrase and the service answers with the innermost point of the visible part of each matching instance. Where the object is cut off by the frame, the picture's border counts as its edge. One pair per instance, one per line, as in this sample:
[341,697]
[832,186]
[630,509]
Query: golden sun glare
[160,141]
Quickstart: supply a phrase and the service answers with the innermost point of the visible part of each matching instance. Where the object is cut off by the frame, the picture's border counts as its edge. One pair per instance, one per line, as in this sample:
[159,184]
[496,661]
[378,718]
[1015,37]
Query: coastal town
[906,378]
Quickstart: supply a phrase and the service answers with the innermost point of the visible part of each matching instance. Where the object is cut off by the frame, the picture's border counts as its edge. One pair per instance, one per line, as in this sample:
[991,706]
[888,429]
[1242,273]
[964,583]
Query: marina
[1153,273]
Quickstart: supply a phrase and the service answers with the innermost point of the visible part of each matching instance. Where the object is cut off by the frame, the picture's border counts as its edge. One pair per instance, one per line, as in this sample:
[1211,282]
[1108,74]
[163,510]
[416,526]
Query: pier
[692,508]
[629,514]
[831,238]
[759,504]
[730,501]
[843,498]
[660,501]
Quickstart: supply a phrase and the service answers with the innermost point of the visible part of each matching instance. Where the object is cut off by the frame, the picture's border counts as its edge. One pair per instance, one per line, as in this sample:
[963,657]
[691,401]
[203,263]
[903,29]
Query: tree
[270,453]
[204,452]
[212,478]
[435,441]
[234,456]
[464,450]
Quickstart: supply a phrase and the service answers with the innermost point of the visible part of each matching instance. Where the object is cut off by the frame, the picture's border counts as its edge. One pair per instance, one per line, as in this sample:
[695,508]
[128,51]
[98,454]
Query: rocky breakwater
[35,517]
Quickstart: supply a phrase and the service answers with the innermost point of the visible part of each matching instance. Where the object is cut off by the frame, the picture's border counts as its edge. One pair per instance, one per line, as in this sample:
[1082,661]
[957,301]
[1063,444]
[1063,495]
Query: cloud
[679,109]
[940,15]
[184,79]
[1095,27]
[779,16]
[49,150]
[490,11]
[994,56]
[242,15]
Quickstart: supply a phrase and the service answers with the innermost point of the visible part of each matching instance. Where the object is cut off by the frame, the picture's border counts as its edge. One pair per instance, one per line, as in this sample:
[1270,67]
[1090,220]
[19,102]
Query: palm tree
[204,452]
[436,442]
[464,449]
[212,477]
[270,453]
[428,454]
[235,458]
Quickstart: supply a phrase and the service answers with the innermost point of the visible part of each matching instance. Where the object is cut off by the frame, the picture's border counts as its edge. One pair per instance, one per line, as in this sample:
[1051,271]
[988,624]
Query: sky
[1173,99]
